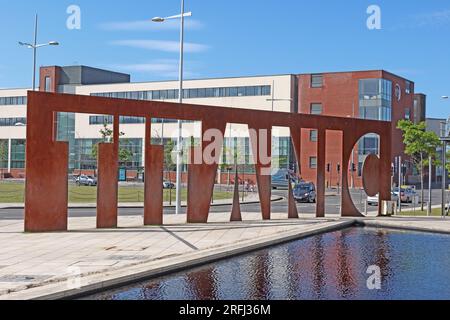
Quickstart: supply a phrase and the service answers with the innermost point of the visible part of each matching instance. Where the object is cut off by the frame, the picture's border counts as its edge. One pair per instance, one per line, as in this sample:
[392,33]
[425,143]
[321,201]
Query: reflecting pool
[329,266]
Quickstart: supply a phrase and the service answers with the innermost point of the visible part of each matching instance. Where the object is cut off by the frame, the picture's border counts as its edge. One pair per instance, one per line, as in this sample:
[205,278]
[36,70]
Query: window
[375,99]
[316,81]
[313,134]
[48,84]
[266,90]
[316,108]
[234,92]
[195,93]
[408,87]
[13,101]
[12,122]
[313,162]
[17,154]
[408,114]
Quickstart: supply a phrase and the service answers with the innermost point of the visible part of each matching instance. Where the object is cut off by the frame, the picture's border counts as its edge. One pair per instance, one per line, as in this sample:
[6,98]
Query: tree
[107,136]
[3,155]
[169,165]
[420,146]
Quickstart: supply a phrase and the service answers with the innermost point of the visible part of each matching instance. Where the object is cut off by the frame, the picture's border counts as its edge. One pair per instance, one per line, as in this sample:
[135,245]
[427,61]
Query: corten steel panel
[107,189]
[384,172]
[293,212]
[154,166]
[201,177]
[41,106]
[236,214]
[263,170]
[107,186]
[371,169]
[46,186]
[350,138]
[321,149]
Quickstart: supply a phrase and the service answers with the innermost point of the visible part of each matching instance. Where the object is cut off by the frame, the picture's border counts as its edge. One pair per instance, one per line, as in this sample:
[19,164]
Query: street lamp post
[444,138]
[181,16]
[36,46]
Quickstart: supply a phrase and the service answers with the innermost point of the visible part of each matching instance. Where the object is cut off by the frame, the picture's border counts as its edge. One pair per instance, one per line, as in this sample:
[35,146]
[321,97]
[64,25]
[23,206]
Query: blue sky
[235,38]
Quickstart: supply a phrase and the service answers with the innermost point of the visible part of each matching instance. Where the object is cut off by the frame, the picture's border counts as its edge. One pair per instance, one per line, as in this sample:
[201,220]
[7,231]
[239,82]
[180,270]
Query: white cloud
[431,19]
[160,45]
[148,25]
[437,18]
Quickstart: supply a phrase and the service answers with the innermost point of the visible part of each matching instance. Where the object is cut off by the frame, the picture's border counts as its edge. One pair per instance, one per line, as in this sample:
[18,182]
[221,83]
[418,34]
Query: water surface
[328,266]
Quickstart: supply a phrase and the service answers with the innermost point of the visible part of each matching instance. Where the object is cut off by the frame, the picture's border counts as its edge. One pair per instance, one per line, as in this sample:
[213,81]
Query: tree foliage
[419,143]
[107,137]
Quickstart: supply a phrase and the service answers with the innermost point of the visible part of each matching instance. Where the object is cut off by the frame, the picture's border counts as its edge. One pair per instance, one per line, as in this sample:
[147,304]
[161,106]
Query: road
[332,206]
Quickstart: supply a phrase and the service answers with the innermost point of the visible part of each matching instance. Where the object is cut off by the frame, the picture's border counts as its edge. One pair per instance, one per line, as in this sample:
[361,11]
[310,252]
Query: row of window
[100,120]
[248,91]
[17,154]
[13,101]
[12,122]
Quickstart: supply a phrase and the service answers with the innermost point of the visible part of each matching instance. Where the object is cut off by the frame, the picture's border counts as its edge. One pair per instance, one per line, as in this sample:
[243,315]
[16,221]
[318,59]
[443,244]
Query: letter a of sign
[374,20]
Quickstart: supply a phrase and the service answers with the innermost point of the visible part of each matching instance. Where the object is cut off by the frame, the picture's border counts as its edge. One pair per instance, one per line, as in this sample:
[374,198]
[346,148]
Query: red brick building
[377,95]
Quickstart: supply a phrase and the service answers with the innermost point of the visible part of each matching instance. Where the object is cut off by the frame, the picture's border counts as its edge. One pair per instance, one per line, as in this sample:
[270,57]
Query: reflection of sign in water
[122,174]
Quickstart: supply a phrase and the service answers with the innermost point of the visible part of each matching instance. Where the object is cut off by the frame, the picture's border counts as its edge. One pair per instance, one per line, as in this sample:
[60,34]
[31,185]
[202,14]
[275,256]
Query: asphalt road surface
[332,206]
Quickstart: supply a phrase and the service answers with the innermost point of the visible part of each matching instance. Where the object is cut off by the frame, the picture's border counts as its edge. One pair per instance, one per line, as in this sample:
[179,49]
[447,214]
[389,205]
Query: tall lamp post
[180,16]
[445,138]
[273,100]
[36,46]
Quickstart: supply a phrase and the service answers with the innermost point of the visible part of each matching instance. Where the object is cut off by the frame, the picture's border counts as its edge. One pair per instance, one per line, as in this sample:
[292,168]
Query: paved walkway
[36,265]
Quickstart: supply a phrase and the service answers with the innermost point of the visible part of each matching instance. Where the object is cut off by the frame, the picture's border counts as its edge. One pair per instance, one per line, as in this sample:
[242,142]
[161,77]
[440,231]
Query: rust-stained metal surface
[46,187]
[154,170]
[236,214]
[371,168]
[292,205]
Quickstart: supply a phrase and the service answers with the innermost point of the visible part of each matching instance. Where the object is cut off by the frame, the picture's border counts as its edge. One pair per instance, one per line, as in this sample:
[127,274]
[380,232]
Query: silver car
[84,180]
[374,201]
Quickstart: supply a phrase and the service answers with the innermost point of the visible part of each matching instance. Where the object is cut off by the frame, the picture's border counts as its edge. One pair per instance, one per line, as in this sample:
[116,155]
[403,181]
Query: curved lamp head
[53,43]
[445,97]
[158,19]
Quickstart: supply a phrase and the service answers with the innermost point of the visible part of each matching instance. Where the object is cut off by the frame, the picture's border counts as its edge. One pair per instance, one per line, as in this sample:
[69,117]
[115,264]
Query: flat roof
[357,71]
[217,78]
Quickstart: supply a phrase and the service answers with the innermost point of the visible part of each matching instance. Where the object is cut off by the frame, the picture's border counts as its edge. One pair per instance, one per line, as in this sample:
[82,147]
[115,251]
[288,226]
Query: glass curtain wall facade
[375,99]
[18,154]
[66,132]
[85,156]
[375,103]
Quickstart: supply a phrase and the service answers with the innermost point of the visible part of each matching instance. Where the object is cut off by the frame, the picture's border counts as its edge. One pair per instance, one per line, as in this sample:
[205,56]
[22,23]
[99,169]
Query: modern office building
[376,95]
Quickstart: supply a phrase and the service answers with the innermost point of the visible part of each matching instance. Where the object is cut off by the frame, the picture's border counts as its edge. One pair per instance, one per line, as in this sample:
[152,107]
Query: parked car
[168,185]
[374,201]
[280,179]
[305,192]
[84,180]
[406,194]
